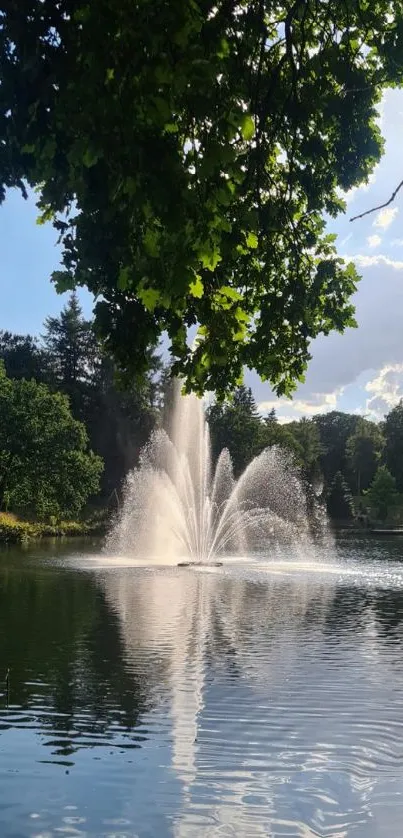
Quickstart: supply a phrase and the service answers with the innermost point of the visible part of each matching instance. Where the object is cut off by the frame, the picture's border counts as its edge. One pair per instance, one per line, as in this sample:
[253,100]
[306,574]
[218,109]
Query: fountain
[178,508]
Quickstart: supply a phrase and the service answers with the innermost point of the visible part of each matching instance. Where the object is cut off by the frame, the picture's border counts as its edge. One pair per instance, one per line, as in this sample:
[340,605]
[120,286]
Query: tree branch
[381,206]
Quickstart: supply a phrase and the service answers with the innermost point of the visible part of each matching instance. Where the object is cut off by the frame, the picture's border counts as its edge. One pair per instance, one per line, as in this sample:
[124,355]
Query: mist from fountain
[178,506]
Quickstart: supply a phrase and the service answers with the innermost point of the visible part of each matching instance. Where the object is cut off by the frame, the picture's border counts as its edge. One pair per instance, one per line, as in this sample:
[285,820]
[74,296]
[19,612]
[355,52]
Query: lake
[256,699]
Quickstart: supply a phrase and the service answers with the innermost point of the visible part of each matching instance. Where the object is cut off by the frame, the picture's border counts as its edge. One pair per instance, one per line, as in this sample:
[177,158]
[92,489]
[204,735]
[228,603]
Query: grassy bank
[15,531]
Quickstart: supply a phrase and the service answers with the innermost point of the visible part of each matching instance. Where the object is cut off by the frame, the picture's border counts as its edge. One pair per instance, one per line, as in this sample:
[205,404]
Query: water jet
[199,564]
[182,508]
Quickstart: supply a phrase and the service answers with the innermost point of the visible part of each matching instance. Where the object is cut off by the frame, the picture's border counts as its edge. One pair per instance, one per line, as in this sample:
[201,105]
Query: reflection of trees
[351,608]
[388,608]
[66,655]
[270,682]
[257,679]
[347,611]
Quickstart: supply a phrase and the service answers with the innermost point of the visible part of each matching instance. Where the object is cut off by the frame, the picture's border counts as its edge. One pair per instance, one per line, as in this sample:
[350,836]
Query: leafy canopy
[45,467]
[364,450]
[340,505]
[186,152]
[236,424]
[382,495]
[393,432]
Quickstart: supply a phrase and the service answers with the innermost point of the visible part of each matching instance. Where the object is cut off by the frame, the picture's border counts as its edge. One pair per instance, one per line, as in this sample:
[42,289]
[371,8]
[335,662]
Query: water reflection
[184,703]
[281,699]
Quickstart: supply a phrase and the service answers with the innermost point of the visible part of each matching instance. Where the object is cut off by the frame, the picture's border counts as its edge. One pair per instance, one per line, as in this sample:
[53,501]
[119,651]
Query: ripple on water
[259,699]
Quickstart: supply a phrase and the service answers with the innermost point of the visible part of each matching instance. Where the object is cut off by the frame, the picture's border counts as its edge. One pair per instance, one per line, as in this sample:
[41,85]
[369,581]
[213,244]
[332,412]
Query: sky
[359,372]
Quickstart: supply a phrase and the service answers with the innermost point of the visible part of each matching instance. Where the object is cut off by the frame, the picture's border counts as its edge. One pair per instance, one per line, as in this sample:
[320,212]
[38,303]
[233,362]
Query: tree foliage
[340,504]
[382,496]
[364,451]
[118,419]
[335,428]
[195,147]
[393,432]
[237,425]
[45,466]
[72,355]
[306,433]
[22,356]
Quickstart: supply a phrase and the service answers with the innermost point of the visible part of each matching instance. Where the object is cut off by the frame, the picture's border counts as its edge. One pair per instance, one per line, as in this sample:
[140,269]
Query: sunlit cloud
[386,390]
[362,260]
[374,241]
[385,217]
[288,410]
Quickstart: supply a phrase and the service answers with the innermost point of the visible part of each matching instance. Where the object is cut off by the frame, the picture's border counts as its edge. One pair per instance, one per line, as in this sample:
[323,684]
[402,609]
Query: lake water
[259,699]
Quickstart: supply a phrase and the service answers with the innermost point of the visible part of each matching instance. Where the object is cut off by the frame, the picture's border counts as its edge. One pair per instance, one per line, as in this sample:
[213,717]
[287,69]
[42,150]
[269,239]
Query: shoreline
[14,531]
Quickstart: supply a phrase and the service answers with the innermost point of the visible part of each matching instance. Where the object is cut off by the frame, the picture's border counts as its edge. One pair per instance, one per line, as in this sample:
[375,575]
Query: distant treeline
[70,431]
[356,465]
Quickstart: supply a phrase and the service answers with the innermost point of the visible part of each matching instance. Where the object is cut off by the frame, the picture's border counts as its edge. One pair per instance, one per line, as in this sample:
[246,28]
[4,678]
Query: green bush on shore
[15,531]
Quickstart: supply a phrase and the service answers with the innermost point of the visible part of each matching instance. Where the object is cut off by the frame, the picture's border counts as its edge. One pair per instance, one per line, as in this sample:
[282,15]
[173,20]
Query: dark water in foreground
[242,701]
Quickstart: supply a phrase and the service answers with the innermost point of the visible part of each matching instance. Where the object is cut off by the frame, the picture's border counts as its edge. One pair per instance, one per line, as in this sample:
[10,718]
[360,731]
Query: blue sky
[28,255]
[360,371]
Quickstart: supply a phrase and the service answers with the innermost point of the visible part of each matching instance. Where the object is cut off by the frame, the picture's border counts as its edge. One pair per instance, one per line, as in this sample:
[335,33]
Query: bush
[14,531]
[46,468]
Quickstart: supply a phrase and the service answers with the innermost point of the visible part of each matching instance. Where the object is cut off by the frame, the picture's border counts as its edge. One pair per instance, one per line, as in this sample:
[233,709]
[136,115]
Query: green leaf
[151,242]
[252,240]
[224,50]
[230,293]
[196,287]
[90,157]
[64,281]
[241,315]
[209,256]
[46,215]
[123,278]
[204,167]
[247,127]
[150,298]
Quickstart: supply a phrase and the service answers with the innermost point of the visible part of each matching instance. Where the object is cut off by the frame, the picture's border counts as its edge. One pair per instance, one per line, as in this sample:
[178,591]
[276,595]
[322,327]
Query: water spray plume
[178,506]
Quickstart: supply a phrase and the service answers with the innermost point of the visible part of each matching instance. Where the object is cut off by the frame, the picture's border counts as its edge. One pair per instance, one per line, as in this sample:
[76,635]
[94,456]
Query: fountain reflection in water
[176,505]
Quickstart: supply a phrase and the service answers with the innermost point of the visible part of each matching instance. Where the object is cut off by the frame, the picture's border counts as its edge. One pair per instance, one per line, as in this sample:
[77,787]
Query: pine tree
[72,354]
[271,417]
[244,401]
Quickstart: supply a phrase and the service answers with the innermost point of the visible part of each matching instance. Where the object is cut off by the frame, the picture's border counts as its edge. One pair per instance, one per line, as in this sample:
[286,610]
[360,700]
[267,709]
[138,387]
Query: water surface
[257,699]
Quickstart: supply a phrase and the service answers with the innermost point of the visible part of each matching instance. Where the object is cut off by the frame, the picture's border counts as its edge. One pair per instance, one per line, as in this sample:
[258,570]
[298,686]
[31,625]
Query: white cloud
[362,260]
[343,364]
[385,217]
[347,361]
[386,390]
[374,241]
[288,410]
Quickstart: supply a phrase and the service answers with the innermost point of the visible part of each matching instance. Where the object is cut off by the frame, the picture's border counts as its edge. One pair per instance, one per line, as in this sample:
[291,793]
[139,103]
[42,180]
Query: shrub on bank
[15,531]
